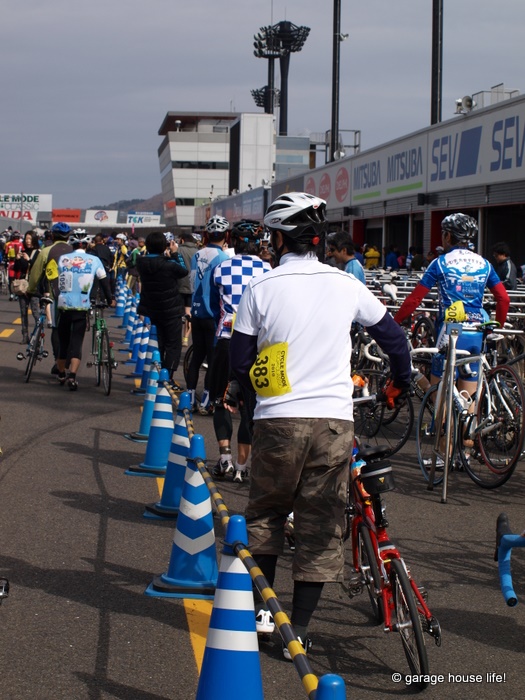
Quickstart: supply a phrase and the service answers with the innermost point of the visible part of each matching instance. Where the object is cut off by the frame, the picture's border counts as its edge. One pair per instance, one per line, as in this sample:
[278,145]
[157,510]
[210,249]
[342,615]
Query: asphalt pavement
[79,555]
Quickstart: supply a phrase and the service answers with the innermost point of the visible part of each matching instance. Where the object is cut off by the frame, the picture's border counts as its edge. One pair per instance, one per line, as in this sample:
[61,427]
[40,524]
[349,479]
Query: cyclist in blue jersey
[205,307]
[461,276]
[77,272]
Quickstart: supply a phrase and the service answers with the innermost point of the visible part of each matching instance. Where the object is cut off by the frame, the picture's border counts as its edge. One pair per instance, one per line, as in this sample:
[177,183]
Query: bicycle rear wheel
[500,429]
[408,621]
[35,344]
[105,364]
[376,424]
[96,351]
[426,437]
[370,571]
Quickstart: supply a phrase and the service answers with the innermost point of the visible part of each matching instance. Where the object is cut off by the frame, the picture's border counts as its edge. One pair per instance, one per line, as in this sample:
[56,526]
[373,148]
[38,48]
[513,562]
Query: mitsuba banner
[143,217]
[101,216]
[68,216]
[24,207]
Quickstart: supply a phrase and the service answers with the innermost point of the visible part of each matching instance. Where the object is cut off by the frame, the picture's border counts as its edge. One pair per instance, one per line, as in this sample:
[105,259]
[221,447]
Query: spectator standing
[372,257]
[160,299]
[505,268]
[205,306]
[391,260]
[303,420]
[188,246]
[24,261]
[341,249]
[11,250]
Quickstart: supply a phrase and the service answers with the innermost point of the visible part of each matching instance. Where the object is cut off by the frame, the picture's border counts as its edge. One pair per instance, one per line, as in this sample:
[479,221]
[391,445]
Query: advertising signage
[25,207]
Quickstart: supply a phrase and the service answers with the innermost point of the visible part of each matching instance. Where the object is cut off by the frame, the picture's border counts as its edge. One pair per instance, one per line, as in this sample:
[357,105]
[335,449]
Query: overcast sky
[86,85]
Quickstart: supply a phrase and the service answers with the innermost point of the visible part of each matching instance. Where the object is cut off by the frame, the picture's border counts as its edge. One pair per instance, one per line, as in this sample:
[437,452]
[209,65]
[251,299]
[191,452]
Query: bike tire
[34,351]
[370,571]
[408,621]
[423,334]
[96,351]
[426,436]
[498,450]
[106,364]
[375,424]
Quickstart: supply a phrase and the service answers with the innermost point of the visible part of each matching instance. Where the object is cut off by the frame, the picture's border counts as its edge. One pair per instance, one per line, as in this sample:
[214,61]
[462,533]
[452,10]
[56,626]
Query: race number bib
[456,313]
[268,373]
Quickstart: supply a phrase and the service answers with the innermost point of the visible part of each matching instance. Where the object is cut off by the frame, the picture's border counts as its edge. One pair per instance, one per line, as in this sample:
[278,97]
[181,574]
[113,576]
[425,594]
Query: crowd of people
[256,302]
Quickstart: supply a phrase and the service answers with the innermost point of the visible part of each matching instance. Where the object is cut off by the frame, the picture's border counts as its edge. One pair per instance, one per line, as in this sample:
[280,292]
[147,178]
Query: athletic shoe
[240,475]
[224,467]
[264,623]
[184,341]
[54,369]
[439,463]
[61,379]
[307,645]
[72,384]
[205,407]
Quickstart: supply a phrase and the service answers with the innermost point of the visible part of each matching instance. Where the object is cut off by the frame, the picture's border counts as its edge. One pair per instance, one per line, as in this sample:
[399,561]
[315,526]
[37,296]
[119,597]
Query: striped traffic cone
[149,402]
[141,355]
[232,638]
[192,571]
[169,504]
[127,308]
[134,346]
[121,299]
[160,433]
[153,344]
[131,322]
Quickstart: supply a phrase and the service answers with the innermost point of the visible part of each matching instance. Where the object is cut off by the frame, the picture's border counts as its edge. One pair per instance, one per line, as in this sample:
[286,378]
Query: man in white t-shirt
[291,342]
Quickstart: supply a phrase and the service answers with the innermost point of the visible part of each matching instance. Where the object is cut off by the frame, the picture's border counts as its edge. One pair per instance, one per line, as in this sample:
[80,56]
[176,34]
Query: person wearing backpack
[45,272]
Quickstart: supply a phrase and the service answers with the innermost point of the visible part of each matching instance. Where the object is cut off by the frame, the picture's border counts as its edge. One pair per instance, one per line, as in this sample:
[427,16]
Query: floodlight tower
[279,41]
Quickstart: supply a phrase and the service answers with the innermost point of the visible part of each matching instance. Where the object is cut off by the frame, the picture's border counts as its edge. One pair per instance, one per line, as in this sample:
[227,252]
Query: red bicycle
[396,600]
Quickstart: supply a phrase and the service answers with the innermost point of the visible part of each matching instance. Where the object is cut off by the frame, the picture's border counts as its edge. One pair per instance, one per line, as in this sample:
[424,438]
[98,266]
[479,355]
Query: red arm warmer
[411,303]
[502,302]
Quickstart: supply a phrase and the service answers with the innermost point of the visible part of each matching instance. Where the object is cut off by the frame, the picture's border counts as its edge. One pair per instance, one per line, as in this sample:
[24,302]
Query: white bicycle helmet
[299,215]
[217,226]
[169,236]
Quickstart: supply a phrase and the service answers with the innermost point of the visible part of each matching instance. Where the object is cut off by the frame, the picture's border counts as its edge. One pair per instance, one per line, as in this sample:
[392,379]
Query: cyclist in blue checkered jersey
[291,343]
[231,278]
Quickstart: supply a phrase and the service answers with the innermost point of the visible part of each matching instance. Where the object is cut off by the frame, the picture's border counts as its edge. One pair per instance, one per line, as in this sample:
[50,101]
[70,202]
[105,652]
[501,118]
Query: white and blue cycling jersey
[461,275]
[205,296]
[231,278]
[76,273]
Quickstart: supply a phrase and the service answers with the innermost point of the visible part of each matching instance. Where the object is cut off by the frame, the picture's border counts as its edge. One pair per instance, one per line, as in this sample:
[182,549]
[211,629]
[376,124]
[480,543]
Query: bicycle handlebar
[505,541]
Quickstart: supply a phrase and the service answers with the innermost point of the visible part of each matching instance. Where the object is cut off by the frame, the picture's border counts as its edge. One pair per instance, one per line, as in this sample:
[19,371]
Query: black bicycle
[35,348]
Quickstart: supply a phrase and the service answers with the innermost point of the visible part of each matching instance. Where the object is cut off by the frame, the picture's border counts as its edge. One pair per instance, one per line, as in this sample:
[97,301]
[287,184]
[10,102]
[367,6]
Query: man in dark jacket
[188,246]
[160,298]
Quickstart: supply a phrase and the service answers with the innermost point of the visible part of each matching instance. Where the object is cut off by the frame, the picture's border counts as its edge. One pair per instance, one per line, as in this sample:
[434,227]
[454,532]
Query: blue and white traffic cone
[160,434]
[141,355]
[127,308]
[231,642]
[148,406]
[331,687]
[192,571]
[169,504]
[121,299]
[153,344]
[132,319]
[134,347]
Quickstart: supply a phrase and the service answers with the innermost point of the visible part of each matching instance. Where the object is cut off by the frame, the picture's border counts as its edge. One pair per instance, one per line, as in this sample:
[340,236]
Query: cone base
[138,392]
[160,512]
[161,588]
[136,437]
[145,471]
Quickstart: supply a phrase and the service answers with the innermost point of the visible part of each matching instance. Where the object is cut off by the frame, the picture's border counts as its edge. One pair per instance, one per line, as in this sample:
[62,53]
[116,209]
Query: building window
[198,165]
[184,202]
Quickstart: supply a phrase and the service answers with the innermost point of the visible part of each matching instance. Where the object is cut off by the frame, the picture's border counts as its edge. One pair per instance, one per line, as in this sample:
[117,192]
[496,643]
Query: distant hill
[152,204]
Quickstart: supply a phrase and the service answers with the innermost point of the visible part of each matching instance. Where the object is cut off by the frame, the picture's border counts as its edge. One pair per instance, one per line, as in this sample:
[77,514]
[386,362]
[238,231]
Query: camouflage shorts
[301,465]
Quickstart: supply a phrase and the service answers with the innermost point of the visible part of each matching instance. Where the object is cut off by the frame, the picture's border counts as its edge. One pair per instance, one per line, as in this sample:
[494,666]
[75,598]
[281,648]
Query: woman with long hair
[24,260]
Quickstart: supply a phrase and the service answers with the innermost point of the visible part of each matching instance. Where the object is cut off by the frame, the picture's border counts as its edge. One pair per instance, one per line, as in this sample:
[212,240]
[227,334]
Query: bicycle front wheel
[370,571]
[106,364]
[500,429]
[378,425]
[408,621]
[426,437]
[34,350]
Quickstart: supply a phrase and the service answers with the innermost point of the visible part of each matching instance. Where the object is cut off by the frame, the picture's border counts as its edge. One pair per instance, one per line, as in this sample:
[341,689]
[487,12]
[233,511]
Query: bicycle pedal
[45,353]
[355,585]
[89,364]
[20,356]
[4,588]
